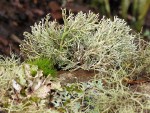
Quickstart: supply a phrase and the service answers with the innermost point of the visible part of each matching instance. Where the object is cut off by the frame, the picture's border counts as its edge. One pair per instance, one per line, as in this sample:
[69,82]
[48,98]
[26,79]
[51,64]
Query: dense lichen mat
[104,52]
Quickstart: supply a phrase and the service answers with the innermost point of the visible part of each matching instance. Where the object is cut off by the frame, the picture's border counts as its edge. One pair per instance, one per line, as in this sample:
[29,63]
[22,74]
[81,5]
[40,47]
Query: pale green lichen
[82,42]
[21,91]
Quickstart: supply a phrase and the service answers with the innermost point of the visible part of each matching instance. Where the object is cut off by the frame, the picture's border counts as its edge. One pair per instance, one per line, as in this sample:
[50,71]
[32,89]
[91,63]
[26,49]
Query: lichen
[83,41]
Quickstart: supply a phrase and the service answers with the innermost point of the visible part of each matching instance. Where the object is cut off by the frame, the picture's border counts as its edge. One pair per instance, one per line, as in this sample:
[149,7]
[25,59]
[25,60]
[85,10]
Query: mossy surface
[44,64]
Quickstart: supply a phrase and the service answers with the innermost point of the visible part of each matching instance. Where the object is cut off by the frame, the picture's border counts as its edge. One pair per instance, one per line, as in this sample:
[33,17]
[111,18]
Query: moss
[44,64]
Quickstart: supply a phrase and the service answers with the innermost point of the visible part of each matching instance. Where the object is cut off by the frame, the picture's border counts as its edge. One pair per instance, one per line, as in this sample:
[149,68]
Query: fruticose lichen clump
[81,42]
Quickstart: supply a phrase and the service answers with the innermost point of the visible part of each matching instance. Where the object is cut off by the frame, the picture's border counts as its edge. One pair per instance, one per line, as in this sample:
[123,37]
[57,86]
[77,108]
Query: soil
[76,76]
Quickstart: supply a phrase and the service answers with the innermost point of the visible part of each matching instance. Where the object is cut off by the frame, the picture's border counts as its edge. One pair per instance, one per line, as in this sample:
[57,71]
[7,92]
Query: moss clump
[44,64]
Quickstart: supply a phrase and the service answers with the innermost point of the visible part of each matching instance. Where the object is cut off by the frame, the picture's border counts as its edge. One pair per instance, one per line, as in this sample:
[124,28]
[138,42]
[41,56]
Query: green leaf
[124,8]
